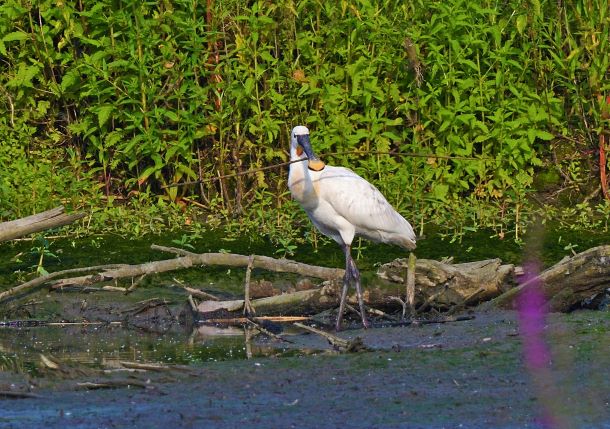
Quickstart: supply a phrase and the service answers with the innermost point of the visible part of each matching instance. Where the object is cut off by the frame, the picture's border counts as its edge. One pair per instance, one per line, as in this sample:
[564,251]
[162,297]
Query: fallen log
[438,284]
[37,283]
[568,284]
[300,302]
[446,285]
[53,218]
[114,272]
[203,259]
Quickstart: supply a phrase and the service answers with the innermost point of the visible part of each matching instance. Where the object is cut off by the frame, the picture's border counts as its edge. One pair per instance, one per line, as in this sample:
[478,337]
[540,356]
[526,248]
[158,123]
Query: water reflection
[106,346]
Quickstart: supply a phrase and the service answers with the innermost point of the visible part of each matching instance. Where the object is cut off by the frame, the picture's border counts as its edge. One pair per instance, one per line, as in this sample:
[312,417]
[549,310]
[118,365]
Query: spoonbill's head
[299,143]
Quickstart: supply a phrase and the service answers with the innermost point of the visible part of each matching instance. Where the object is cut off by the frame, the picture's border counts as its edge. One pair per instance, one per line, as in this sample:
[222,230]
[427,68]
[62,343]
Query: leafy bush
[125,97]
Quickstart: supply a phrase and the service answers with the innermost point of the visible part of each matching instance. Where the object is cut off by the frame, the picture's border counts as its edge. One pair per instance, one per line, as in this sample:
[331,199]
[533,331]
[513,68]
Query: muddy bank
[466,374]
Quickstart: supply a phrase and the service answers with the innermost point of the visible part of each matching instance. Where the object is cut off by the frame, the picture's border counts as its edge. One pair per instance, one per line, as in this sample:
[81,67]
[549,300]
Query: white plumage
[343,205]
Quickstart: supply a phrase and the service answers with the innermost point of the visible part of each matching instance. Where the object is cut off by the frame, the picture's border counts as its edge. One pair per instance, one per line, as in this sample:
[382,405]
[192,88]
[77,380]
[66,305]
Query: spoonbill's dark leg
[351,273]
[356,276]
[346,281]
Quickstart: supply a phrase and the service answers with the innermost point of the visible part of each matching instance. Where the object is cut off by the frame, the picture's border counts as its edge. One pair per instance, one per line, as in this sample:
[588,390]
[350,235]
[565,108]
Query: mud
[464,374]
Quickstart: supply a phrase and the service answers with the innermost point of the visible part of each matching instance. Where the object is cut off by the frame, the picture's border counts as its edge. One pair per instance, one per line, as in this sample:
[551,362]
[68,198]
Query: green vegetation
[104,103]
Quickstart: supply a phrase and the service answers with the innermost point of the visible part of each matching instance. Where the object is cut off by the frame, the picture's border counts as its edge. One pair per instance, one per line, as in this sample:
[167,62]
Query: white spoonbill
[341,205]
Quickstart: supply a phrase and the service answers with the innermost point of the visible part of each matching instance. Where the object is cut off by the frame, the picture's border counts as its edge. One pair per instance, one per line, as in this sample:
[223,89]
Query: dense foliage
[117,98]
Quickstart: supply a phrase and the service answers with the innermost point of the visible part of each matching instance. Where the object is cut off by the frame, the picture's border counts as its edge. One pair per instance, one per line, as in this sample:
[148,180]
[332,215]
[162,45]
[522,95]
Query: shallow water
[105,346]
[466,374]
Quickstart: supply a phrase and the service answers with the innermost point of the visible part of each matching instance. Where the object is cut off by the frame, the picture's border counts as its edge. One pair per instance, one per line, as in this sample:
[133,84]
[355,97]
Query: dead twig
[248,308]
[154,366]
[379,313]
[353,346]
[242,320]
[117,271]
[135,284]
[353,310]
[196,292]
[146,305]
[268,333]
[192,303]
[38,323]
[420,322]
[248,342]
[174,250]
[410,284]
[431,299]
[402,303]
[113,384]
[86,289]
[49,363]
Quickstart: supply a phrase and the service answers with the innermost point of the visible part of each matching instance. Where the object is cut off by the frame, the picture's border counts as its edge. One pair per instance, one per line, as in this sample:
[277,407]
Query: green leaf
[392,136]
[146,174]
[470,64]
[544,135]
[69,79]
[532,112]
[15,35]
[113,138]
[444,126]
[24,76]
[531,135]
[521,23]
[186,170]
[574,53]
[440,191]
[171,115]
[103,114]
[249,86]
[537,8]
[265,55]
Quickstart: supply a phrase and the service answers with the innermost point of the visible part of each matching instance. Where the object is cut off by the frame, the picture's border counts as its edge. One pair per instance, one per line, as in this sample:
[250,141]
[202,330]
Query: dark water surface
[105,346]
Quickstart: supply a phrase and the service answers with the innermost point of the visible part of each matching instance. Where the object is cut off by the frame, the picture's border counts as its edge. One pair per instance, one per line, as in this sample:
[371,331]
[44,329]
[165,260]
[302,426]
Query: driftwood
[39,222]
[202,259]
[568,283]
[438,284]
[113,384]
[446,285]
[35,284]
[195,292]
[106,273]
[158,367]
[264,262]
